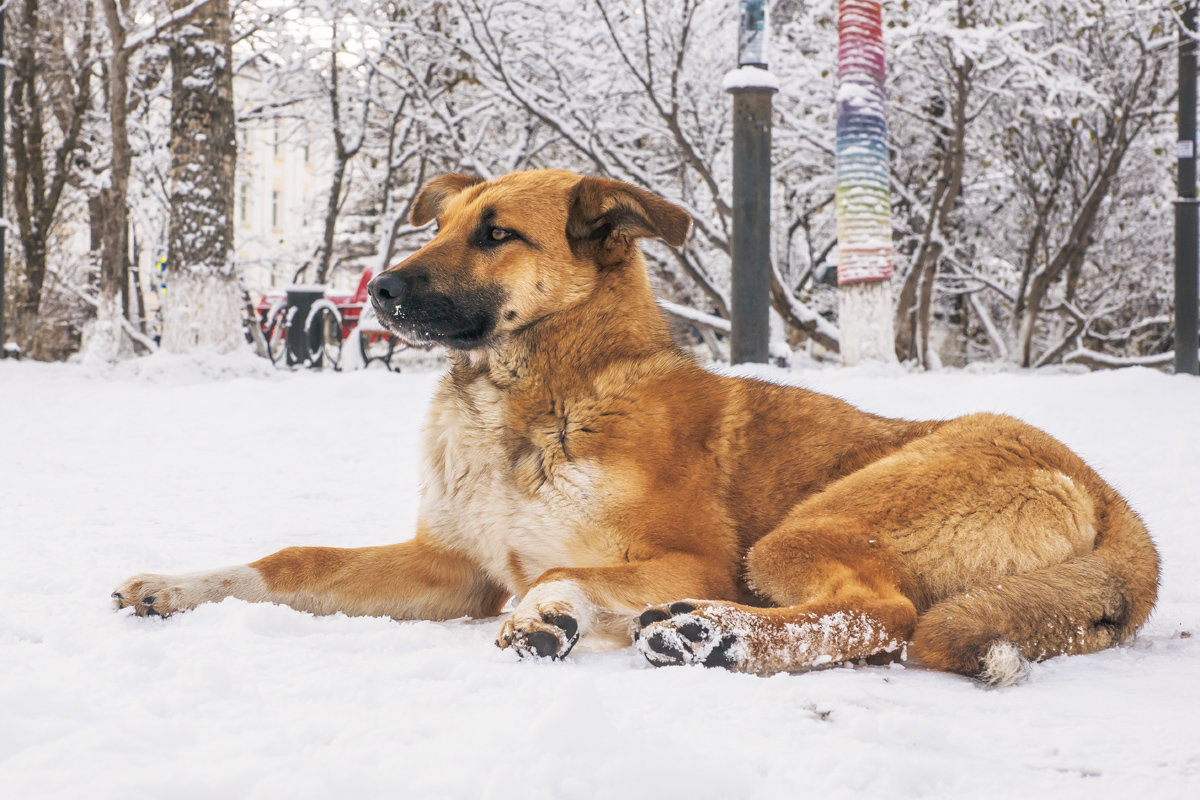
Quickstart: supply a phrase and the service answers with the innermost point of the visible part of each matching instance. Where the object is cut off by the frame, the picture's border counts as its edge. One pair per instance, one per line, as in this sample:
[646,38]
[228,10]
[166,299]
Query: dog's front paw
[151,596]
[551,635]
[548,621]
[684,633]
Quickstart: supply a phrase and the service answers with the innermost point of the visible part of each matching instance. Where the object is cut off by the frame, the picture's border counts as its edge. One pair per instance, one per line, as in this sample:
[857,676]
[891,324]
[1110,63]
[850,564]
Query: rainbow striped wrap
[864,224]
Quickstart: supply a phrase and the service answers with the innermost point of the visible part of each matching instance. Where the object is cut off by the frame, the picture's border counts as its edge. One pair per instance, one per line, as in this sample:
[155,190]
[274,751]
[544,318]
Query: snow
[175,464]
[750,78]
[698,317]
[202,310]
[865,310]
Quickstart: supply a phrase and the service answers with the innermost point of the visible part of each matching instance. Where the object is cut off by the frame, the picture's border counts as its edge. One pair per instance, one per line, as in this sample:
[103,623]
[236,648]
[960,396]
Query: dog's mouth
[462,322]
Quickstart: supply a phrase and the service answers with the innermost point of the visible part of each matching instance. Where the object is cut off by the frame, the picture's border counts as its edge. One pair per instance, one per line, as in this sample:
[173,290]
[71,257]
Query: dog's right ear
[436,193]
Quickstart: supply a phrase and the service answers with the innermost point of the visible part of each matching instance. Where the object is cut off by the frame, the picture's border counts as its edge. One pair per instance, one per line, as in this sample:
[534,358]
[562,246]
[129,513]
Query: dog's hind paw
[679,633]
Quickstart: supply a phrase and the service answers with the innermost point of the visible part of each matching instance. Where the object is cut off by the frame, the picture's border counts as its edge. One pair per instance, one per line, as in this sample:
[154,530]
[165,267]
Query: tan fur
[577,458]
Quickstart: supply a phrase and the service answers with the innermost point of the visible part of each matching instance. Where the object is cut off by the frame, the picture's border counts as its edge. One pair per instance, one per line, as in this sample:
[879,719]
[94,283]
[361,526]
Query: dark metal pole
[3,174]
[1187,257]
[751,86]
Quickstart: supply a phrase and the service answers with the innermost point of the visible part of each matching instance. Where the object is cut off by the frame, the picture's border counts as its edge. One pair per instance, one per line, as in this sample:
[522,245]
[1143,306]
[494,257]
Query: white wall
[279,199]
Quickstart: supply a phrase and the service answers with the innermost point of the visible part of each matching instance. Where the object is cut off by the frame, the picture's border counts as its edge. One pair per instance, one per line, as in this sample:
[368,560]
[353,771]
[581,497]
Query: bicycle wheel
[324,328]
[278,320]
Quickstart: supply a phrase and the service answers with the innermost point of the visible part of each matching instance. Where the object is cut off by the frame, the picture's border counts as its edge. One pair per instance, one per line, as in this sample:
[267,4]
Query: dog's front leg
[412,580]
[567,603]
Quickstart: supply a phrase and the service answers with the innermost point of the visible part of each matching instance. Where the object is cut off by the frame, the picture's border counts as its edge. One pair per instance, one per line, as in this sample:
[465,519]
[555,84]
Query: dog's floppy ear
[436,193]
[610,215]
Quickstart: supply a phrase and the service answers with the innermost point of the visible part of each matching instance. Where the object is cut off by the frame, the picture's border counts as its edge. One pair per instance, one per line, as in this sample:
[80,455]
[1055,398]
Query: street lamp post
[751,85]
[1187,259]
[3,177]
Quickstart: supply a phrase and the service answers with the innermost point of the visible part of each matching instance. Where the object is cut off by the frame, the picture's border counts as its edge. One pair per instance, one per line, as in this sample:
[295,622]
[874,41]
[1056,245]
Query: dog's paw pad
[660,650]
[553,636]
[673,635]
[648,617]
[725,653]
[542,644]
[567,624]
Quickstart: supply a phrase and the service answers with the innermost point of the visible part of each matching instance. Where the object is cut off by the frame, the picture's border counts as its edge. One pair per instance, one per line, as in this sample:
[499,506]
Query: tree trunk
[342,154]
[37,192]
[105,336]
[914,312]
[332,211]
[202,309]
[1070,255]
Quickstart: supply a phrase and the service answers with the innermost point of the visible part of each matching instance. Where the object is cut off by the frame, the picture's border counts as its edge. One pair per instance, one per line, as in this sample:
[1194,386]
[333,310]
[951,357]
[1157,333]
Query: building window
[245,199]
[275,209]
[305,154]
[275,143]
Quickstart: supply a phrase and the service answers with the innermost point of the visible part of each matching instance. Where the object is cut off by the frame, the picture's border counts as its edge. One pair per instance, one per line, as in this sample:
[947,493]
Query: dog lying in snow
[575,457]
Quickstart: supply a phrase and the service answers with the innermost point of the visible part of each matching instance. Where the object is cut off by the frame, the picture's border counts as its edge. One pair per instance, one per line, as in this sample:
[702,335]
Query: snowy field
[167,466]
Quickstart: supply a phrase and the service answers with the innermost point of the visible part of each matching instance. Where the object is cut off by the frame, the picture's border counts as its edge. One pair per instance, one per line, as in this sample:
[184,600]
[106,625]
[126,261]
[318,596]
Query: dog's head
[515,250]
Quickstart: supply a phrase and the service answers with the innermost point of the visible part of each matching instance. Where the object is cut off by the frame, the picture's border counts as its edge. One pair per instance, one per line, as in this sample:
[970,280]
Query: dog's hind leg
[839,598]
[770,640]
[1082,605]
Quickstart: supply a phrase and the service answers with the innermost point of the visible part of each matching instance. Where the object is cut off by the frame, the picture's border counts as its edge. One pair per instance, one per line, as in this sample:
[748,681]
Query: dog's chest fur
[507,494]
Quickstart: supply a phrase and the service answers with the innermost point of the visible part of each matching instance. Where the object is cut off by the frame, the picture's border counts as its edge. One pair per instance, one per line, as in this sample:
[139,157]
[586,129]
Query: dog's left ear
[610,215]
[436,193]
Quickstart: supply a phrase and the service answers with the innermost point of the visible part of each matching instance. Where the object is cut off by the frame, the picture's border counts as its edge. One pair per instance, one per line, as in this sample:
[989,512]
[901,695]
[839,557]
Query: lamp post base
[865,322]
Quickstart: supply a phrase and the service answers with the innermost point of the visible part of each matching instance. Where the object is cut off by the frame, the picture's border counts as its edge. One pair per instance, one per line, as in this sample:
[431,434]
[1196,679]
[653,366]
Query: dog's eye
[488,236]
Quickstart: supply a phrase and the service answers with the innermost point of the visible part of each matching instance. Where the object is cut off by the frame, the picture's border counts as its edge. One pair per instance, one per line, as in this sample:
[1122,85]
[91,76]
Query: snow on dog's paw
[676,634]
[150,596]
[550,636]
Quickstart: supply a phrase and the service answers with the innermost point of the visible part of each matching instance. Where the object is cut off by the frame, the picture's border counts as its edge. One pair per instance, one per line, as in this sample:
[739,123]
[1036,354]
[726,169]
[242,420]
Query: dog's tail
[1081,605]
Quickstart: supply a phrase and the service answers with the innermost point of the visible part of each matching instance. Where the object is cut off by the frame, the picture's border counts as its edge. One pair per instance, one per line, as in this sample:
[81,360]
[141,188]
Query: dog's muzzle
[406,303]
[393,291]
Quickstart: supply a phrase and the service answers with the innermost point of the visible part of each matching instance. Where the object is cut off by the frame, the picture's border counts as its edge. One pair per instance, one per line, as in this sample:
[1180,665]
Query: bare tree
[110,335]
[1012,143]
[1085,156]
[50,96]
[348,139]
[949,118]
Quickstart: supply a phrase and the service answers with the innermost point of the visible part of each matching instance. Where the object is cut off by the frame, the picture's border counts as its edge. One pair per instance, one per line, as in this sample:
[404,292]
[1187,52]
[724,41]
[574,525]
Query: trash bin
[301,298]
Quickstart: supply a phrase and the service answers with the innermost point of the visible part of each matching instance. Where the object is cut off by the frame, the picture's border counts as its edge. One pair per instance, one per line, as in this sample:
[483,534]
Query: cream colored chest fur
[473,500]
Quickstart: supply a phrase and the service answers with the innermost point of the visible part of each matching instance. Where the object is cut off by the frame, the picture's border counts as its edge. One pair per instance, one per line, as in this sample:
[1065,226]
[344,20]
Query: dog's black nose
[394,286]
[386,287]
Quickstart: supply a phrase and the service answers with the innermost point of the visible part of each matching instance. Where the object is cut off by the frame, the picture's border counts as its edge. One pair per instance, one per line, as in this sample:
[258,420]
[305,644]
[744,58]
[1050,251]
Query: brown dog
[574,456]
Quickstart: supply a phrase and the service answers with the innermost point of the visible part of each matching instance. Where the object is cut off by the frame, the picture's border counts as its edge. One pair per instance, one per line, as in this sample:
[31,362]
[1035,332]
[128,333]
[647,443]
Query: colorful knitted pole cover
[864,224]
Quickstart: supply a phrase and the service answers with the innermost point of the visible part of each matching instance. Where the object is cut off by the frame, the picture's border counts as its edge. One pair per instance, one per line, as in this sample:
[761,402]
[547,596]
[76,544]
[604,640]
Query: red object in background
[349,306]
[374,342]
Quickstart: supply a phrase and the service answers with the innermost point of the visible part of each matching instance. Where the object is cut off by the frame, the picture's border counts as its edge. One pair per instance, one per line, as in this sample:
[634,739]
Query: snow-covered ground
[164,466]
